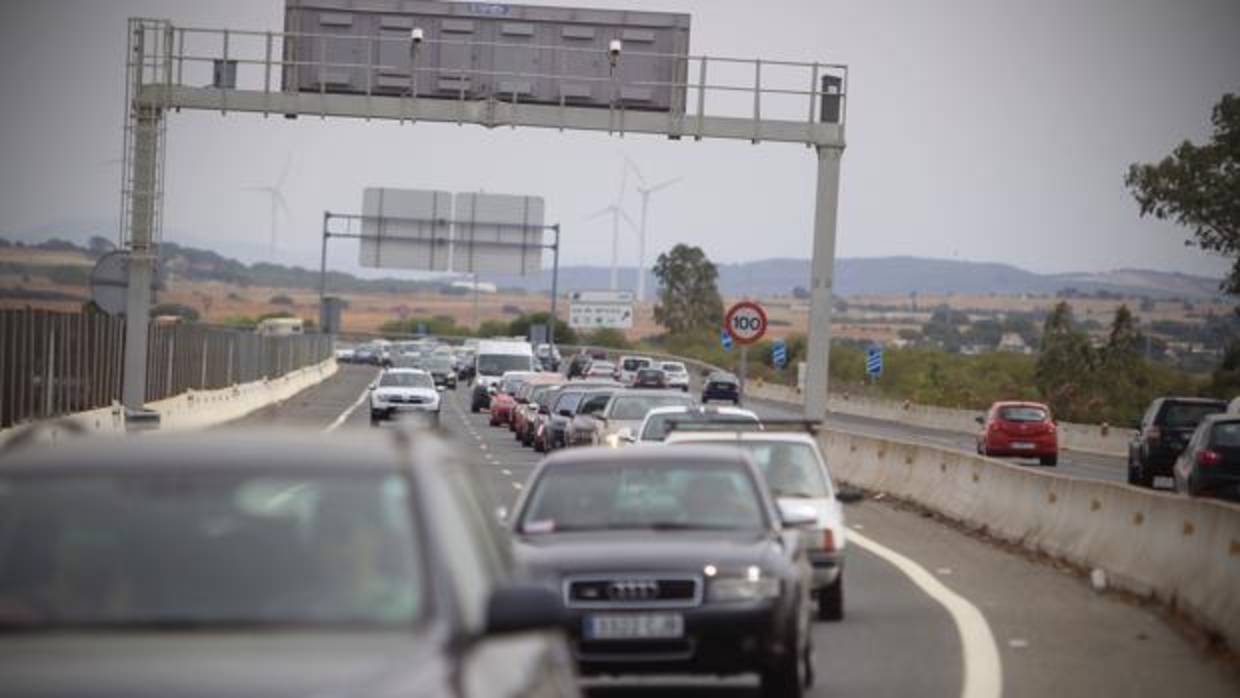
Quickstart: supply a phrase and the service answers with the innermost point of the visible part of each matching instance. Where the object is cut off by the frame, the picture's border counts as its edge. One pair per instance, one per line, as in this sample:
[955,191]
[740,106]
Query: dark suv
[1165,429]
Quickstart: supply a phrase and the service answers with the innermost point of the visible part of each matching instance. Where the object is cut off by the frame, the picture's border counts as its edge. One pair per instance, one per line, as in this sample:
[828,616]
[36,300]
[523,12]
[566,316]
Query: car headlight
[613,441]
[754,586]
[379,399]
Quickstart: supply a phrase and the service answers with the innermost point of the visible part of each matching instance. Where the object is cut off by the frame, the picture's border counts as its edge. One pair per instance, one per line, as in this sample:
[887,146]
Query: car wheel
[1192,487]
[1132,472]
[1052,461]
[473,407]
[374,419]
[785,679]
[831,601]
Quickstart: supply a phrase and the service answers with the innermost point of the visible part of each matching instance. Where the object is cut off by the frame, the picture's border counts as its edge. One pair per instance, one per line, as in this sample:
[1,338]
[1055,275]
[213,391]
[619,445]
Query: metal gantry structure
[170,68]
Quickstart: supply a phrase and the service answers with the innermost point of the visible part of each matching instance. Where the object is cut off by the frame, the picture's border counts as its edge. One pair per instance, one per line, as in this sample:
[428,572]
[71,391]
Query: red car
[504,401]
[1020,430]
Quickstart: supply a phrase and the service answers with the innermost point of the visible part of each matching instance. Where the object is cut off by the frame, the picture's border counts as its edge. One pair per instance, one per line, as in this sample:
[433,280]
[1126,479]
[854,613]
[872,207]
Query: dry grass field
[216,302]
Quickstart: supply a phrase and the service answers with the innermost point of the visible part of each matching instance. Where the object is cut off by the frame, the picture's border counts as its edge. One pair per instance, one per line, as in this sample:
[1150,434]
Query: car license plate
[1022,445]
[634,626]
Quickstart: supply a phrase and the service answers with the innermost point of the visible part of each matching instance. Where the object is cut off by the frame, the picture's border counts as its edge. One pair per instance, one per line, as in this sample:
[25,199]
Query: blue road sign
[874,361]
[726,340]
[779,354]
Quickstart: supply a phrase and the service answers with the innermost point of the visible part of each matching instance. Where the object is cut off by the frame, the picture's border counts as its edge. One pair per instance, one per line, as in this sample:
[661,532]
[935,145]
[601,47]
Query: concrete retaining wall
[1077,437]
[1184,552]
[190,410]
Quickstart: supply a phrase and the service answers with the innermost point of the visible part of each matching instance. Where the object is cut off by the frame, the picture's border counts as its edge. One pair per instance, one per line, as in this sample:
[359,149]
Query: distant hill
[766,278]
[901,276]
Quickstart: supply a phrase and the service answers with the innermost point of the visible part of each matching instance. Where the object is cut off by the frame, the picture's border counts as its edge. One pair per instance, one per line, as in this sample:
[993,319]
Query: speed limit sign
[746,322]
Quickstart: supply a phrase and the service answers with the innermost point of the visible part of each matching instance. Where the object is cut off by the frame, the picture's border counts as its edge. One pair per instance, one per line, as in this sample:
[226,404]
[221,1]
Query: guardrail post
[48,371]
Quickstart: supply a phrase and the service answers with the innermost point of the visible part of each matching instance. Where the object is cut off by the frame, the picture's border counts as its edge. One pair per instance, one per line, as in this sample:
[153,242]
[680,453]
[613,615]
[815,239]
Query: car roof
[678,436]
[700,409]
[1221,417]
[280,450]
[1195,401]
[1019,403]
[404,369]
[586,457]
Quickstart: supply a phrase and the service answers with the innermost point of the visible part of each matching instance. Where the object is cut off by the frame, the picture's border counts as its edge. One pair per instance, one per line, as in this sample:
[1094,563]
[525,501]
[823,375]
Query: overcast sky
[992,130]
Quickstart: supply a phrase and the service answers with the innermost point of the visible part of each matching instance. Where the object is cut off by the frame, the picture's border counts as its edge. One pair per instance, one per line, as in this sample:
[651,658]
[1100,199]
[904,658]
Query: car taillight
[1208,457]
[828,540]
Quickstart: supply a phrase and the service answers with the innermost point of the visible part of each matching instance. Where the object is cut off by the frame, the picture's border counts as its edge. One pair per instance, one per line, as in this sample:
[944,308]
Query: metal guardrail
[55,364]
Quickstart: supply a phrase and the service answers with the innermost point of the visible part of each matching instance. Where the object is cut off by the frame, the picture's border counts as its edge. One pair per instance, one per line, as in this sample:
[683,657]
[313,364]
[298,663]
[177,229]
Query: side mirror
[980,420]
[521,608]
[373,386]
[797,514]
[501,515]
[849,495]
[441,388]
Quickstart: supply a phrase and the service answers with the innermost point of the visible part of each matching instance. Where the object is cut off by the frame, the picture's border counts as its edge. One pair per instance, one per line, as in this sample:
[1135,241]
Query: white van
[493,360]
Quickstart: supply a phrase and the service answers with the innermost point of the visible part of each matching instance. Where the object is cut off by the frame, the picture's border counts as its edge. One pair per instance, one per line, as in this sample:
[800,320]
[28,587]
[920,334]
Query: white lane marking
[1018,643]
[506,471]
[349,410]
[983,671]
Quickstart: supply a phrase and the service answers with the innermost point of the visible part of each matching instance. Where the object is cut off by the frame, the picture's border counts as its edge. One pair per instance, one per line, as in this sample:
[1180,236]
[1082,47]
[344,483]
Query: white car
[659,421]
[404,391]
[628,366]
[677,374]
[797,475]
[600,369]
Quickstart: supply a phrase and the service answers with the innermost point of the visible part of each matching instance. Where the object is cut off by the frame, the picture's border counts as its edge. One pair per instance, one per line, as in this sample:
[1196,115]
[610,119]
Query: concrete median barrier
[191,410]
[1183,552]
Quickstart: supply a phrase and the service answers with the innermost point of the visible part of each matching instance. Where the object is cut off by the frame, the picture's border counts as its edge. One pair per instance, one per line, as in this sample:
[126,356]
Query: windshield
[1023,414]
[1186,416]
[439,364]
[634,364]
[658,426]
[499,364]
[568,401]
[643,495]
[208,548]
[511,384]
[601,367]
[635,407]
[1226,435]
[406,380]
[790,469]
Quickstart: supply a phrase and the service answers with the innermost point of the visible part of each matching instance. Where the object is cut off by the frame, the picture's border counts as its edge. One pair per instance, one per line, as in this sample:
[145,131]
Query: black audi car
[265,566]
[671,561]
[721,386]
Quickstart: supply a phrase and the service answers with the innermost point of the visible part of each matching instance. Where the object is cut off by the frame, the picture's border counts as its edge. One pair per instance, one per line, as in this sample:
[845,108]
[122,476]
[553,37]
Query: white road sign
[599,315]
[626,297]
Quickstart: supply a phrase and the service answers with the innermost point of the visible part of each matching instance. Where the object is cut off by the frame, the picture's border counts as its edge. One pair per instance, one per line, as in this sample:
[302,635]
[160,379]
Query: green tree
[607,337]
[1122,349]
[1225,382]
[688,294]
[1198,187]
[1065,367]
[520,327]
[493,328]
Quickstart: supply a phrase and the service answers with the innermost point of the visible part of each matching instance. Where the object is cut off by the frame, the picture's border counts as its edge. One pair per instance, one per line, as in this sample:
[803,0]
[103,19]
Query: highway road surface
[930,611]
[1092,466]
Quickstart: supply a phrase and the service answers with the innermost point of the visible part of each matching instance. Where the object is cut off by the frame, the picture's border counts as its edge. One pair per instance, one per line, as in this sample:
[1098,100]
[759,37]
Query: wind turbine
[645,192]
[617,212]
[278,202]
